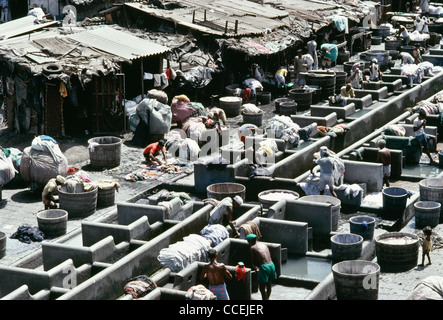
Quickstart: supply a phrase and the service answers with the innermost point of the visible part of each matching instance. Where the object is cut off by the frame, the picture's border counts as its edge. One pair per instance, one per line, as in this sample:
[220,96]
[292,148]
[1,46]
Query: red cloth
[240,273]
[153,148]
[181,111]
[247,94]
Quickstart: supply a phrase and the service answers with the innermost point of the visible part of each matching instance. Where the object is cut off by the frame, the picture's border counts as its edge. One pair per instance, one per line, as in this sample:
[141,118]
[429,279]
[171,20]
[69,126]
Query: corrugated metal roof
[21,26]
[119,43]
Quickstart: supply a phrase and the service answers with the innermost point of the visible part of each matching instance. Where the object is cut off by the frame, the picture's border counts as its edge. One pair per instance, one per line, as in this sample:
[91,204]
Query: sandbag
[38,167]
[7,170]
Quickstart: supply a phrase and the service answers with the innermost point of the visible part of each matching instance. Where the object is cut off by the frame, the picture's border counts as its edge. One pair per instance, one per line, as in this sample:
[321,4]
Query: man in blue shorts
[262,263]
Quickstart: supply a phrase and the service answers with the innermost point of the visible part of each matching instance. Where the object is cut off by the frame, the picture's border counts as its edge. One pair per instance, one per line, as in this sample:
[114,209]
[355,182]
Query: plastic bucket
[397,251]
[363,226]
[346,246]
[394,202]
[105,152]
[269,197]
[220,191]
[356,280]
[336,205]
[432,190]
[427,213]
[3,238]
[376,40]
[52,222]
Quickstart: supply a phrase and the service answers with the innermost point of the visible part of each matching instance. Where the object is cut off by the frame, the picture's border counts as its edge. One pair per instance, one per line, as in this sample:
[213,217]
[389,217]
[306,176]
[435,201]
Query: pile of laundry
[250,108]
[215,233]
[394,130]
[28,234]
[182,253]
[160,173]
[284,128]
[139,286]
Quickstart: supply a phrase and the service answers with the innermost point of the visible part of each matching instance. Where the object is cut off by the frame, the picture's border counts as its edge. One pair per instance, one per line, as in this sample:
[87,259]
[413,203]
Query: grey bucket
[427,213]
[52,222]
[346,246]
[219,191]
[394,202]
[286,194]
[231,105]
[363,226]
[302,97]
[78,205]
[263,98]
[431,189]
[107,152]
[105,197]
[288,108]
[336,206]
[253,118]
[397,251]
[3,238]
[279,101]
[356,280]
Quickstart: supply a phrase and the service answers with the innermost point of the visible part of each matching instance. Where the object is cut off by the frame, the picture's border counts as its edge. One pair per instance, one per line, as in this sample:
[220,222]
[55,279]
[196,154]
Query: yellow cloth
[267,149]
[427,245]
[283,72]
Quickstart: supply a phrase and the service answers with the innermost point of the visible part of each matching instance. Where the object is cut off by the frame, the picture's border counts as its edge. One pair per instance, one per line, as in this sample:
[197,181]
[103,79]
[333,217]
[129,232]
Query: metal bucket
[363,226]
[356,280]
[346,246]
[220,191]
[3,238]
[105,152]
[52,222]
[432,190]
[336,205]
[80,204]
[231,105]
[427,213]
[269,197]
[397,251]
[253,118]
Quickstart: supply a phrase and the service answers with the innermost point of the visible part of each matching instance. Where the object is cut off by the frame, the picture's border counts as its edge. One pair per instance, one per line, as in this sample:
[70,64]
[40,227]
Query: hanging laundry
[63,91]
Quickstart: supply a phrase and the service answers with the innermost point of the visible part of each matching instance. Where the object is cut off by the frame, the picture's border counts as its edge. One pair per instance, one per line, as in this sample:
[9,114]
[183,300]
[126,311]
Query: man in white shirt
[419,130]
[405,58]
[403,32]
[312,50]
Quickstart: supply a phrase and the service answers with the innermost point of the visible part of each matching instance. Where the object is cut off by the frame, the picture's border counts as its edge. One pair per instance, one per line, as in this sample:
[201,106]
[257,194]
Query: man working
[419,130]
[280,77]
[312,50]
[384,157]
[300,67]
[49,196]
[405,58]
[327,165]
[153,150]
[328,54]
[216,272]
[225,209]
[262,263]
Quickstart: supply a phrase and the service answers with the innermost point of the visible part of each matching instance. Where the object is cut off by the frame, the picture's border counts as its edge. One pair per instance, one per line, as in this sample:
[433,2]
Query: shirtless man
[262,263]
[216,272]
